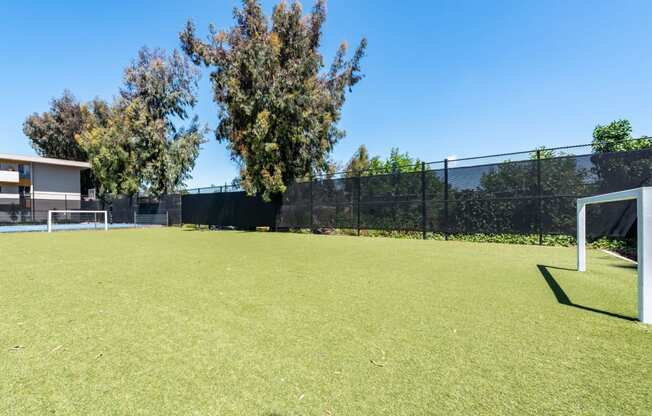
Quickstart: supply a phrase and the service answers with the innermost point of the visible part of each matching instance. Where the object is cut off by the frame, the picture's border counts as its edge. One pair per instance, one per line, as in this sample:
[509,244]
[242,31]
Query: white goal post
[96,214]
[643,198]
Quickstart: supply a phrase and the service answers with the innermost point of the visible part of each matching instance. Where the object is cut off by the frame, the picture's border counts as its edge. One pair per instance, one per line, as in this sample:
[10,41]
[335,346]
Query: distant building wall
[9,190]
[55,181]
[56,187]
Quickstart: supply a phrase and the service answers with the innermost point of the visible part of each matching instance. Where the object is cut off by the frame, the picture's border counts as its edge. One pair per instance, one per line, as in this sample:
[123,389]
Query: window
[24,190]
[24,171]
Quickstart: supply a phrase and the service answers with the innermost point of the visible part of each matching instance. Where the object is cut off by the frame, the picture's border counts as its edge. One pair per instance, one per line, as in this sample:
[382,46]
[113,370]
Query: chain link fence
[516,193]
[121,210]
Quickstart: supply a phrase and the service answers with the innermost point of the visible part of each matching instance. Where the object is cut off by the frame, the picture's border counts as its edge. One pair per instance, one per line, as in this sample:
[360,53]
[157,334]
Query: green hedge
[624,246]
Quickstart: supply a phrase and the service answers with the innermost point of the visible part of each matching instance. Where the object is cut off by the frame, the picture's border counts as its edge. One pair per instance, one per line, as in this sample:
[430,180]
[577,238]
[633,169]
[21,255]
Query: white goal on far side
[77,219]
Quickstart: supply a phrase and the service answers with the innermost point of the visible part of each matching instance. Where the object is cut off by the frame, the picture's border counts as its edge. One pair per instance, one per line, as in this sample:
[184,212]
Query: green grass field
[174,322]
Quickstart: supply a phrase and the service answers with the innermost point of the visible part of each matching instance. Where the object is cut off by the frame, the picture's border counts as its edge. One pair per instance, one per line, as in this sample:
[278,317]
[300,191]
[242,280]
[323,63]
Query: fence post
[358,197]
[423,200]
[311,203]
[180,209]
[446,199]
[539,196]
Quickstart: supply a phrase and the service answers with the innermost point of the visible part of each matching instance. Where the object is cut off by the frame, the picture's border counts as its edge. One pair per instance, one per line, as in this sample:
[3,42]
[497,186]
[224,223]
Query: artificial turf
[174,322]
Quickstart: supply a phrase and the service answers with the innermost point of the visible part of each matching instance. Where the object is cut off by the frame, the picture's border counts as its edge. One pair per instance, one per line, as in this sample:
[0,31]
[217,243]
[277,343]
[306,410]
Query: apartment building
[32,185]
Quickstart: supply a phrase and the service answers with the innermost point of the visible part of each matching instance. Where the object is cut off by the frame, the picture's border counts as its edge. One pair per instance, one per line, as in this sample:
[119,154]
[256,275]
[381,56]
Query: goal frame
[77,211]
[643,198]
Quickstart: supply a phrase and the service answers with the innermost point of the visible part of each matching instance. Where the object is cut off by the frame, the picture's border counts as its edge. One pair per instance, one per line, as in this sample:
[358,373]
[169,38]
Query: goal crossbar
[643,198]
[76,211]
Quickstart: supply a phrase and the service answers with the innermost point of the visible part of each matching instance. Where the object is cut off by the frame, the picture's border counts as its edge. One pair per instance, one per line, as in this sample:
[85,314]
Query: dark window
[24,171]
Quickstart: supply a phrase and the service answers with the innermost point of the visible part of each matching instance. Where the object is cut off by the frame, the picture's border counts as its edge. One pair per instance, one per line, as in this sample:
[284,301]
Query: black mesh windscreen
[391,202]
[523,197]
[492,216]
[120,209]
[565,179]
[234,209]
[28,210]
[295,209]
[334,203]
[166,204]
[493,199]
[13,210]
[497,181]
[512,196]
[435,181]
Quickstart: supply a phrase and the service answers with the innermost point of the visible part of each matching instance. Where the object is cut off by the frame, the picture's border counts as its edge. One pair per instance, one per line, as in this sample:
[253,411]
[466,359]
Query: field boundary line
[619,256]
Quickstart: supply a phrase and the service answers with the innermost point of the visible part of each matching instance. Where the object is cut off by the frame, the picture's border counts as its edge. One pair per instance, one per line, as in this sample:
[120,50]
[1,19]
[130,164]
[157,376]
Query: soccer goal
[77,220]
[643,198]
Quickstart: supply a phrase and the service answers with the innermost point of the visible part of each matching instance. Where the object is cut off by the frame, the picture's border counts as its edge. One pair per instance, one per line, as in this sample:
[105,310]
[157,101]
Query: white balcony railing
[9,176]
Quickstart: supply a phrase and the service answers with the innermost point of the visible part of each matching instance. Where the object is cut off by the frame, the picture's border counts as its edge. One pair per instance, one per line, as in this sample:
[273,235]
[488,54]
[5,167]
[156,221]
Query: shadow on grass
[627,266]
[563,298]
[556,268]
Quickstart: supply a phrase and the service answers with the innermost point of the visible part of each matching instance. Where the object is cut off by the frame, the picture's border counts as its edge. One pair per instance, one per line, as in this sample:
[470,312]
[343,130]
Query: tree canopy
[396,162]
[140,147]
[617,137]
[278,111]
[361,164]
[54,133]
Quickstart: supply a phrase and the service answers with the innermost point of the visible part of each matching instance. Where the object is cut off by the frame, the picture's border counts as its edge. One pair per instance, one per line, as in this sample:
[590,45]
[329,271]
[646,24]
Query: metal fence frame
[540,198]
[417,198]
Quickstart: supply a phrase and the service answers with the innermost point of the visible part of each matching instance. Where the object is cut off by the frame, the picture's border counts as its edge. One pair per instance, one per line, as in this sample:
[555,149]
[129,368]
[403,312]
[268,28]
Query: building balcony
[9,176]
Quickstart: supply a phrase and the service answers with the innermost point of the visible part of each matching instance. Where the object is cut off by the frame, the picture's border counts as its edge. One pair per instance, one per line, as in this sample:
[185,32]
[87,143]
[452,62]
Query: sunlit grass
[178,322]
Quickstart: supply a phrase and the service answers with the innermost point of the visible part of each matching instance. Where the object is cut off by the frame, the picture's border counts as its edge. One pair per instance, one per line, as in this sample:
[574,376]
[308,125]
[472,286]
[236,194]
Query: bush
[622,246]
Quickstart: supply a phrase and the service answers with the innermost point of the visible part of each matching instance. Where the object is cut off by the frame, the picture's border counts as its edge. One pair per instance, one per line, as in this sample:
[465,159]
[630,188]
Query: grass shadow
[556,268]
[627,266]
[563,298]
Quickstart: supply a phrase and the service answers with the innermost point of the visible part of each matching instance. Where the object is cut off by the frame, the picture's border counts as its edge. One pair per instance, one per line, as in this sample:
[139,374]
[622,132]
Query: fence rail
[524,193]
[212,189]
[515,193]
[123,210]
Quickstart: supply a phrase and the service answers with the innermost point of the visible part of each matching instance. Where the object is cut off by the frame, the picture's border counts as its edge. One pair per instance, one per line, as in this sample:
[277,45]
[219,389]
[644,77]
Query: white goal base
[91,214]
[643,197]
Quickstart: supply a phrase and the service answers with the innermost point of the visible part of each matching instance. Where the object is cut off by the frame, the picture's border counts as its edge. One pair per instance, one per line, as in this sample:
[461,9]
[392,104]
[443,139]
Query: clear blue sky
[442,77]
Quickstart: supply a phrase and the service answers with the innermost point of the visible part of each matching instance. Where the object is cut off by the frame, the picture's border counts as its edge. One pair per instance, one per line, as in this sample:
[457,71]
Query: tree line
[136,143]
[278,107]
[278,110]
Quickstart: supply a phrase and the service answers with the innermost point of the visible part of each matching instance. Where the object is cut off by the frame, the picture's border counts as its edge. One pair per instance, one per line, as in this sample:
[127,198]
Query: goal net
[77,220]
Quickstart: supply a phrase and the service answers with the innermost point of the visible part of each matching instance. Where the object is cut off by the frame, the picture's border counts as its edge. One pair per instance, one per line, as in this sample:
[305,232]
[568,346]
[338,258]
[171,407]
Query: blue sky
[443,78]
